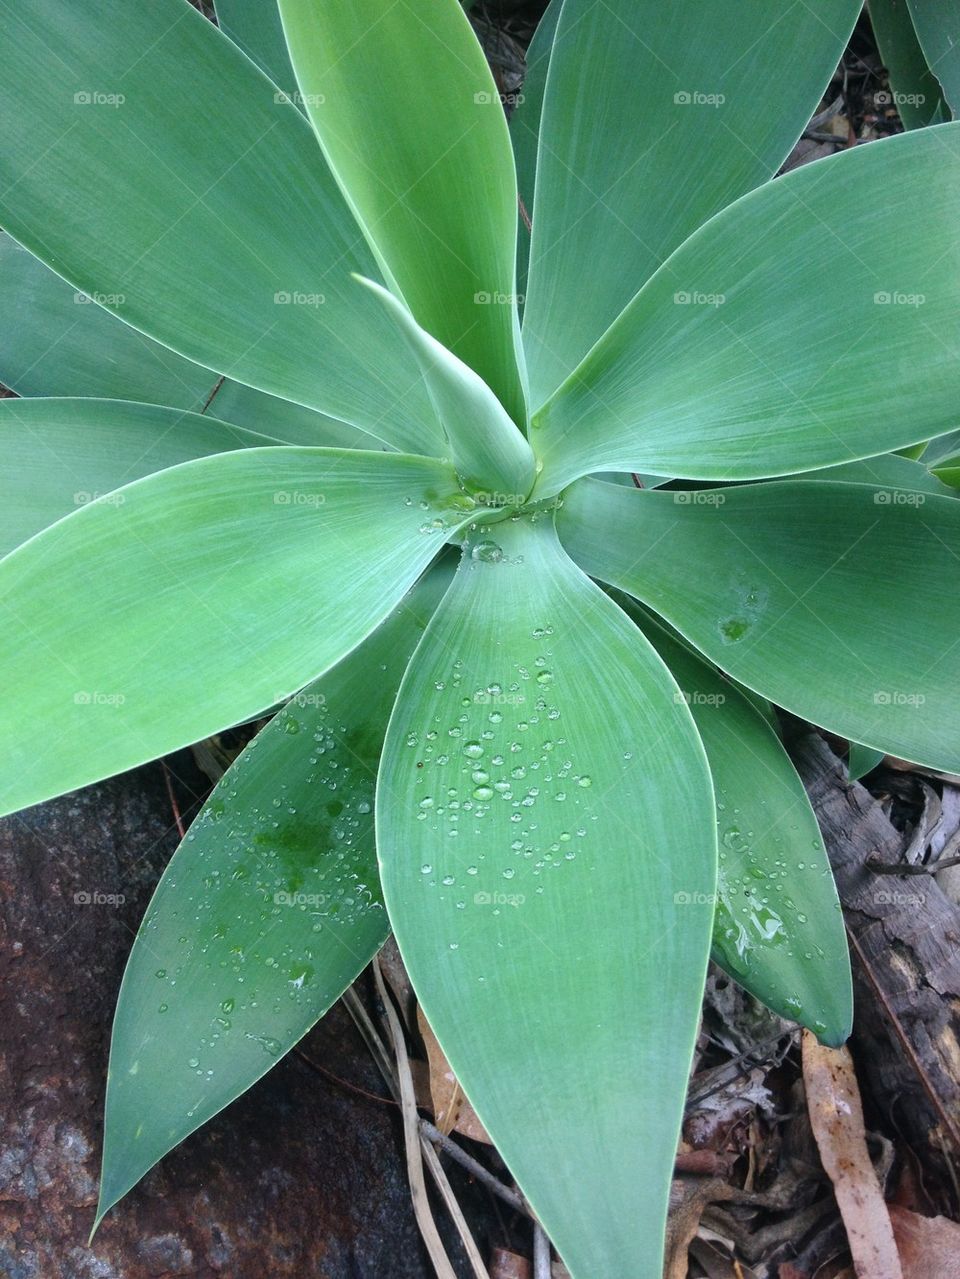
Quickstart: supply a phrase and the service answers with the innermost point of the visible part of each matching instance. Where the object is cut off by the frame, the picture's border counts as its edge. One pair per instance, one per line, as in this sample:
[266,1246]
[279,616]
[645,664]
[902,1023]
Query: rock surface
[300,1177]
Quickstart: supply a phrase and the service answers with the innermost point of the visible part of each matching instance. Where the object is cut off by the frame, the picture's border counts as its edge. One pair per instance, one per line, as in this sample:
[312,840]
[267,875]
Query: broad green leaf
[889,470]
[728,365]
[255,27]
[194,598]
[268,910]
[915,91]
[217,230]
[646,617]
[948,471]
[833,600]
[55,341]
[913,451]
[488,450]
[525,131]
[654,118]
[409,117]
[862,760]
[778,928]
[58,455]
[546,836]
[937,24]
[942,447]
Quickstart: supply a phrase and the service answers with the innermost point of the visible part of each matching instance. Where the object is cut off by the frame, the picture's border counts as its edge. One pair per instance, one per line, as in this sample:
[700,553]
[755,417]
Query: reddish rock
[300,1177]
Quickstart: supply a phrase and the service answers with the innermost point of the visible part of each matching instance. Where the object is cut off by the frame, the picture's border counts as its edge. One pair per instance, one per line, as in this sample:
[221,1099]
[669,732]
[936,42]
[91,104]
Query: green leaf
[546,835]
[829,599]
[55,341]
[525,131]
[227,241]
[59,455]
[488,449]
[942,447]
[948,472]
[862,760]
[778,928]
[654,118]
[255,27]
[268,910]
[915,91]
[937,25]
[409,117]
[194,598]
[728,365]
[890,470]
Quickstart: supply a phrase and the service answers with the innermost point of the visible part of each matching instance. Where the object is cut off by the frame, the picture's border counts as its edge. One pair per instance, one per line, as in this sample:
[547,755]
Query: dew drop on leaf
[487,552]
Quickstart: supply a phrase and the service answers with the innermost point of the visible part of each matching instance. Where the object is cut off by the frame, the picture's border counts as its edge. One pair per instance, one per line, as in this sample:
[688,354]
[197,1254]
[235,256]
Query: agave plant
[283,441]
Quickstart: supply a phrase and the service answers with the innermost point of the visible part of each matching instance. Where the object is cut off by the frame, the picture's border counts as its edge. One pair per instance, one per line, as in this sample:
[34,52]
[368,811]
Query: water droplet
[473,750]
[734,840]
[487,552]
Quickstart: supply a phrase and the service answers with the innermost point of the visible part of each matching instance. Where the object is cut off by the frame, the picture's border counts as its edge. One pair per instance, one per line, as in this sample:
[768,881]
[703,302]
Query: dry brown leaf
[689,1197]
[836,1116]
[929,1246]
[508,1265]
[451,1109]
